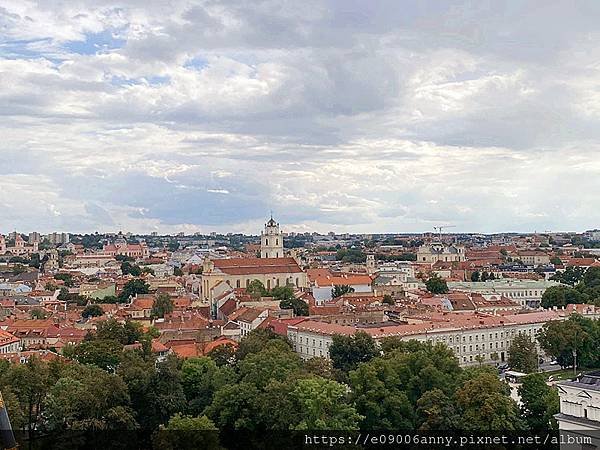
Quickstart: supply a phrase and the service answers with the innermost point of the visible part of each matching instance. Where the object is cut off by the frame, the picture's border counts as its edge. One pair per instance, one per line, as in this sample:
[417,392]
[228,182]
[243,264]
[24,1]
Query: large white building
[437,251]
[525,292]
[472,337]
[580,409]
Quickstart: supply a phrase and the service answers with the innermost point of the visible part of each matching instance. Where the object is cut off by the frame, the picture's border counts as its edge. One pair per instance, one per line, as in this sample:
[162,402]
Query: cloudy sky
[339,115]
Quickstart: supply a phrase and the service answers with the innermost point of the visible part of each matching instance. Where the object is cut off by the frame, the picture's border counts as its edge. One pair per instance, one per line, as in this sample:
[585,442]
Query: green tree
[319,366]
[37,313]
[257,340]
[324,406]
[522,354]
[29,383]
[164,395]
[347,352]
[183,432]
[235,407]
[580,334]
[340,290]
[200,379]
[485,405]
[163,304]
[132,288]
[299,306]
[66,278]
[256,289]
[111,330]
[539,402]
[104,354]
[379,398]
[92,310]
[130,269]
[222,355]
[87,398]
[436,285]
[560,296]
[436,412]
[277,361]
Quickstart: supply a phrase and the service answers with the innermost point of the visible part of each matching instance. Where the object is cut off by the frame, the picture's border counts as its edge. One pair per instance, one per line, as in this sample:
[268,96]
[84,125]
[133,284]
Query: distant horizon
[286,231]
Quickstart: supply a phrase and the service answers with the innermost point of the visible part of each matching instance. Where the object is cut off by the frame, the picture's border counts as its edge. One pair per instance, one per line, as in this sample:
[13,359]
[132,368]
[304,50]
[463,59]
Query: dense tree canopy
[539,402]
[436,285]
[580,334]
[163,304]
[582,286]
[264,385]
[522,354]
[347,352]
[132,288]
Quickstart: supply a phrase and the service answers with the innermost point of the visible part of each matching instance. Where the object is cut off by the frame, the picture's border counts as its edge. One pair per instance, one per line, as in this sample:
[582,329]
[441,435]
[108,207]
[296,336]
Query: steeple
[271,240]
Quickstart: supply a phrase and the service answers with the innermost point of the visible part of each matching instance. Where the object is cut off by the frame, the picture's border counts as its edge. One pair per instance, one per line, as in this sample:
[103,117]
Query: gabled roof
[248,266]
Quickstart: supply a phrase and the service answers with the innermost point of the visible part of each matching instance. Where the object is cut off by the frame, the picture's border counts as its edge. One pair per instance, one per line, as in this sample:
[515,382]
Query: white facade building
[473,338]
[579,415]
[271,241]
[525,292]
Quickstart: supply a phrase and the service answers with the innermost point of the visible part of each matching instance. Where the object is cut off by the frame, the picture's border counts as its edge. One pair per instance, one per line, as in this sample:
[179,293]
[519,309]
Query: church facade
[272,269]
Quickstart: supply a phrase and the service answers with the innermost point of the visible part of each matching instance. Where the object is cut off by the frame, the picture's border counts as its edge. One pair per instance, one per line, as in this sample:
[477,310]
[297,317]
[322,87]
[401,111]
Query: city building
[239,272]
[534,258]
[437,251]
[527,293]
[323,281]
[474,337]
[121,247]
[580,408]
[18,246]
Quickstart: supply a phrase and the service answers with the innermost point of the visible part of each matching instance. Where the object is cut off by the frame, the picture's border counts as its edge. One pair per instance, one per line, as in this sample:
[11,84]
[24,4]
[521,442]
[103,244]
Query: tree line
[264,385]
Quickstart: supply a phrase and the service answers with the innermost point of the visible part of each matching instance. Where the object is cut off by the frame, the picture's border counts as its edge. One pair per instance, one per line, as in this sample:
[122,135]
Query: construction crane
[440,228]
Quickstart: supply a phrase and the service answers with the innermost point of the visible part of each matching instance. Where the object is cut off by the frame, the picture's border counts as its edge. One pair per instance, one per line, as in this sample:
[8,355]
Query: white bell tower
[271,240]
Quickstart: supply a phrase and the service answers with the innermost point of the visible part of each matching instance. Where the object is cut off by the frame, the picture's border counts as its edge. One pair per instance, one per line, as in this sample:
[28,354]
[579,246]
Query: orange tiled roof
[248,266]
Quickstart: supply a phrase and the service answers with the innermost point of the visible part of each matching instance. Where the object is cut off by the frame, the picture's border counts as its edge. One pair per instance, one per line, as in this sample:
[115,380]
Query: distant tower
[271,240]
[51,264]
[371,264]
[2,245]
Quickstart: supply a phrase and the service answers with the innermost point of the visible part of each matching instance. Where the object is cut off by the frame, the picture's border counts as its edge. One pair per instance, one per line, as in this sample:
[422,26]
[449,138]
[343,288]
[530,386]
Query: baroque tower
[271,240]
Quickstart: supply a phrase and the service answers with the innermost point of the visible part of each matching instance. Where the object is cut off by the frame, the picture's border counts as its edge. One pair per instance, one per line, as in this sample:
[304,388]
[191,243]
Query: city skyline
[335,115]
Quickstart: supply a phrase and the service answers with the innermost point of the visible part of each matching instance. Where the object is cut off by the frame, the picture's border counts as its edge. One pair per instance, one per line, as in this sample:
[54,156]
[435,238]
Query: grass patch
[565,374]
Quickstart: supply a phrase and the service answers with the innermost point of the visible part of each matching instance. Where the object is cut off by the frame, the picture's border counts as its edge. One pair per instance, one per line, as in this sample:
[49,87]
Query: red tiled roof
[222,340]
[323,277]
[248,266]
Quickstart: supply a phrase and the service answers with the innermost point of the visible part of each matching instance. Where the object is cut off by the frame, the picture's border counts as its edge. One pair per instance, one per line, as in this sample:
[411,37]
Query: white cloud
[206,115]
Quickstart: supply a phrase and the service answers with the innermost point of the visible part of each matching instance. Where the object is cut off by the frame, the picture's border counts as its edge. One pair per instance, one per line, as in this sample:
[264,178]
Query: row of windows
[524,294]
[9,349]
[308,351]
[482,336]
[306,341]
[238,283]
[498,345]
